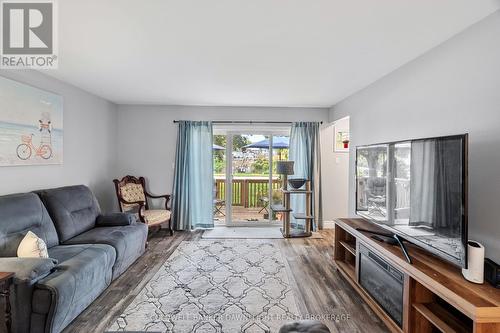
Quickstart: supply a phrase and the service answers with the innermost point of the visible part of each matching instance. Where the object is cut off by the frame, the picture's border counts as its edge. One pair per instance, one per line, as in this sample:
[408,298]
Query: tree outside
[246,162]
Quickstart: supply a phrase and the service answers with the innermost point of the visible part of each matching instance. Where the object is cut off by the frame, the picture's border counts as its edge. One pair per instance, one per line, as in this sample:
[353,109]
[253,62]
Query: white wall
[335,167]
[147,135]
[89,137]
[101,144]
[452,89]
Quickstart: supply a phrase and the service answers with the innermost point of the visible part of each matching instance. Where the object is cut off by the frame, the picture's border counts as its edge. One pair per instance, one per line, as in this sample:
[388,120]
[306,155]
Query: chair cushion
[20,213]
[156,216]
[131,192]
[129,243]
[74,209]
[83,272]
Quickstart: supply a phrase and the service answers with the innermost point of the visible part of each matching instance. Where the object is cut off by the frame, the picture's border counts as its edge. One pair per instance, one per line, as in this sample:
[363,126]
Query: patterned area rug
[215,286]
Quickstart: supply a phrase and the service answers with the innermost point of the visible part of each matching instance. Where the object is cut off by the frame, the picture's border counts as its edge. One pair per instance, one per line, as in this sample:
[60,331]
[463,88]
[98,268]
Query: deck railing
[247,192]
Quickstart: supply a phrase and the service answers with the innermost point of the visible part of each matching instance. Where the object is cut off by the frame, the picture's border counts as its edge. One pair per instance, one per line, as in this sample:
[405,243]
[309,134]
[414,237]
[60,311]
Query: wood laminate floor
[319,288]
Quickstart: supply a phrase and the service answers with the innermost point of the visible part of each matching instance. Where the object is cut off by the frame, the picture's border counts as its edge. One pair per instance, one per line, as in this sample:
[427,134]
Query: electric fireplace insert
[383,282]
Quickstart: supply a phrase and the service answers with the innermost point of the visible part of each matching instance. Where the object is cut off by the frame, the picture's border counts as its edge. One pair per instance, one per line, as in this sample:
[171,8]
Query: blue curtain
[305,152]
[193,177]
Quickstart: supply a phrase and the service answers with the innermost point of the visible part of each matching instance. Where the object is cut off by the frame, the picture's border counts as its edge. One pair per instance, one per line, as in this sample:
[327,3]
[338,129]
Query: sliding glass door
[245,184]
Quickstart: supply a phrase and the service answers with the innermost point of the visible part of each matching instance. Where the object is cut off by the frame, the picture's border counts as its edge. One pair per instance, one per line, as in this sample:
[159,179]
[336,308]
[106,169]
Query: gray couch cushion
[20,213]
[129,242]
[115,220]
[73,209]
[83,273]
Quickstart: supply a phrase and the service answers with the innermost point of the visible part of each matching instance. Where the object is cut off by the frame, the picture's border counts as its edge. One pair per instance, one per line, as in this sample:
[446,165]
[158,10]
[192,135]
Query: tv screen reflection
[416,188]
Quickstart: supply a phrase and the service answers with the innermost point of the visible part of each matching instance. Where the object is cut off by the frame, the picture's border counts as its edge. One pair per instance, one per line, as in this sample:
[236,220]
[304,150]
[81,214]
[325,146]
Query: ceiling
[248,53]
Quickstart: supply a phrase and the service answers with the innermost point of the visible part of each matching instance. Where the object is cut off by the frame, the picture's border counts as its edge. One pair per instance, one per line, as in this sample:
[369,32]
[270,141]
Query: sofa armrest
[27,270]
[115,220]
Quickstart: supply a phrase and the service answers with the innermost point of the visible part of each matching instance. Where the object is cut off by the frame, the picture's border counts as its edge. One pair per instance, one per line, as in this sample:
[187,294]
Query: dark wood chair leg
[170,228]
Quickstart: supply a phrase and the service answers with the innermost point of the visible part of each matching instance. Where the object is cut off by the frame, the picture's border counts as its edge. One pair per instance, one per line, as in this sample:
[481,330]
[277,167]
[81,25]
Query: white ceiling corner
[248,53]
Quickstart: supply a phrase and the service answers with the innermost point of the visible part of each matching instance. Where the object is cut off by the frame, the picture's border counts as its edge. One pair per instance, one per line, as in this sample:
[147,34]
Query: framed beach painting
[31,125]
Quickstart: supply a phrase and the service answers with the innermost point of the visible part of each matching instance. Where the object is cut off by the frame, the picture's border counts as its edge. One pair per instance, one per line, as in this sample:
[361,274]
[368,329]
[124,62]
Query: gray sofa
[87,251]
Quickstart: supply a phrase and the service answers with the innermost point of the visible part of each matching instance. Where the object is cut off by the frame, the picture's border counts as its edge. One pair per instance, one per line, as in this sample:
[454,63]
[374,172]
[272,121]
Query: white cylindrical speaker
[475,262]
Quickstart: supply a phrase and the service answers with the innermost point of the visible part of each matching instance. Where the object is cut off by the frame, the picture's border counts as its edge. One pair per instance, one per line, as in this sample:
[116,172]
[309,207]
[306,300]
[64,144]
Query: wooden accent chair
[132,197]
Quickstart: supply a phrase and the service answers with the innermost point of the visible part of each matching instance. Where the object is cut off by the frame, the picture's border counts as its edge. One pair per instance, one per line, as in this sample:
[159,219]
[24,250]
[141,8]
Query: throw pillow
[32,246]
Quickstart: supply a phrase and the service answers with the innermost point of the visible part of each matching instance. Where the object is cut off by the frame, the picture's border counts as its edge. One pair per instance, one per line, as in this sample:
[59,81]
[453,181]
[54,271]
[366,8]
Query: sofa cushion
[73,209]
[20,213]
[82,274]
[115,220]
[129,242]
[63,253]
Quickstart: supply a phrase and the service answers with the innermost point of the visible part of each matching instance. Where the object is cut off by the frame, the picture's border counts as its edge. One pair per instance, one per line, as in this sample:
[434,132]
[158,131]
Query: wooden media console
[436,298]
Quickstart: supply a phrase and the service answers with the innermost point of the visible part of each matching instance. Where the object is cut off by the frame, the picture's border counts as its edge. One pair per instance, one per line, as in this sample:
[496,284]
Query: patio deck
[246,191]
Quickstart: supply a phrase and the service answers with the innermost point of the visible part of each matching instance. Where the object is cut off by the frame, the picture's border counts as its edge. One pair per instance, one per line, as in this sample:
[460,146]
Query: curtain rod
[247,122]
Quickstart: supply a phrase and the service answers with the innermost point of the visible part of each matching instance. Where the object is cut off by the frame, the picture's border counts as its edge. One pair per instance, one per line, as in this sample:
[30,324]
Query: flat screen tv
[417,189]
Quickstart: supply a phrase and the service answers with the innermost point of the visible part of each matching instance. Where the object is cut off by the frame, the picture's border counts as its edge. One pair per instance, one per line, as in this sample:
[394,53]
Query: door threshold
[252,224]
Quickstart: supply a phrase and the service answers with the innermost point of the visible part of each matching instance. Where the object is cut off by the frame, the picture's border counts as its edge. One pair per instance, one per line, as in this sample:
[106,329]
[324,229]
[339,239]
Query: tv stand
[436,298]
[396,240]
